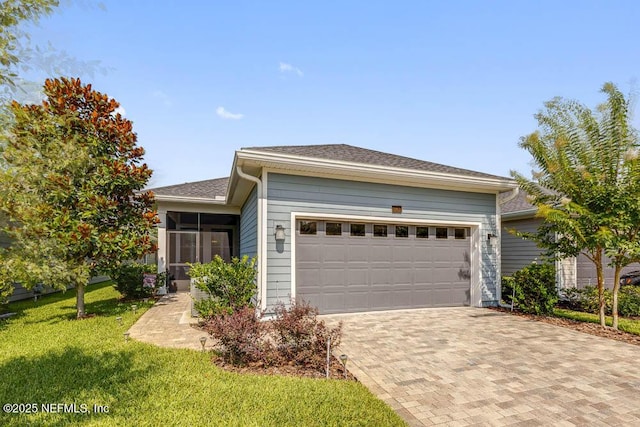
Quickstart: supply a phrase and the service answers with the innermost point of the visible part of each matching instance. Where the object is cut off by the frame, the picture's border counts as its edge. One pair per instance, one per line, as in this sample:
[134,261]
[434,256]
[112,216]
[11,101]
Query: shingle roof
[517,204]
[349,153]
[210,189]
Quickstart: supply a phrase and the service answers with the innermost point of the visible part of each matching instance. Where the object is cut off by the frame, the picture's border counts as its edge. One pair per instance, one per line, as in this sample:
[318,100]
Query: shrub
[128,280]
[295,336]
[242,337]
[507,289]
[300,337]
[535,288]
[231,285]
[586,299]
[629,301]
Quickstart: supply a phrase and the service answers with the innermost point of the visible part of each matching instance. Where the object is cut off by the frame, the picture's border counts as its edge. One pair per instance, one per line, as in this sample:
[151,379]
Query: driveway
[471,366]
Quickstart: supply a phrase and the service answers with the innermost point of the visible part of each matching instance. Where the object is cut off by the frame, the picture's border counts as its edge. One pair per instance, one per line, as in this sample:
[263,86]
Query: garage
[354,266]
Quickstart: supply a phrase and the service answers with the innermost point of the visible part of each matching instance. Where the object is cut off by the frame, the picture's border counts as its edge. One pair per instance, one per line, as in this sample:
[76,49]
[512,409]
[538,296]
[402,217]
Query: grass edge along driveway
[84,373]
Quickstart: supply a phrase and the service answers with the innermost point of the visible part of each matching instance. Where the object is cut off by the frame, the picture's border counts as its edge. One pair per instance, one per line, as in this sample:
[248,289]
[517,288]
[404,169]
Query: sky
[452,82]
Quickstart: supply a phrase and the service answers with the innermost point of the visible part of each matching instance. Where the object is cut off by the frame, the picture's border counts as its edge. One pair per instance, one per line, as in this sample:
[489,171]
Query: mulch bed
[291,370]
[586,327]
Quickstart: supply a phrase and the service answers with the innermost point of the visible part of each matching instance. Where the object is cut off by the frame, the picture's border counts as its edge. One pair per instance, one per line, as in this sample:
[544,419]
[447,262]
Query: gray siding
[587,272]
[287,193]
[516,251]
[249,225]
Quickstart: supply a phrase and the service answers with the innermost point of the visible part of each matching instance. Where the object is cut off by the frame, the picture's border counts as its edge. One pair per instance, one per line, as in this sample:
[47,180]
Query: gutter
[259,237]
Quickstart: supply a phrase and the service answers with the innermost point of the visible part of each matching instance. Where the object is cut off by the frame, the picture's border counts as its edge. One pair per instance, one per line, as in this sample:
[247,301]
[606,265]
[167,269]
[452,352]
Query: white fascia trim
[527,213]
[475,297]
[378,171]
[219,200]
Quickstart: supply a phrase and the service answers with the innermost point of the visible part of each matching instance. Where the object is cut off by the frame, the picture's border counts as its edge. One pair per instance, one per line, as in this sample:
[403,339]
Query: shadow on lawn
[67,306]
[72,376]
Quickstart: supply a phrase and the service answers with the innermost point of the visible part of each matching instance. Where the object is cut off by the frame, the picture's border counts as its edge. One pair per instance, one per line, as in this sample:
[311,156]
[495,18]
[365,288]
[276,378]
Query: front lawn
[47,358]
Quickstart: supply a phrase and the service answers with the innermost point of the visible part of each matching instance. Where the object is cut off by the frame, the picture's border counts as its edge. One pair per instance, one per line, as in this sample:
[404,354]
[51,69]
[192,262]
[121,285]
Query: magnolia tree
[587,186]
[70,189]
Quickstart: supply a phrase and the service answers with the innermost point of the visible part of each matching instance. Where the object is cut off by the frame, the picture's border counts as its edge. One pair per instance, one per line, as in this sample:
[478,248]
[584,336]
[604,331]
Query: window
[333,229]
[308,227]
[357,230]
[422,232]
[442,233]
[460,233]
[402,231]
[379,230]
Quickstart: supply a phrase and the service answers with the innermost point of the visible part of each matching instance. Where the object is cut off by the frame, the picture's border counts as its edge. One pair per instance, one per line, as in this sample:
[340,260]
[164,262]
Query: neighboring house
[518,214]
[346,228]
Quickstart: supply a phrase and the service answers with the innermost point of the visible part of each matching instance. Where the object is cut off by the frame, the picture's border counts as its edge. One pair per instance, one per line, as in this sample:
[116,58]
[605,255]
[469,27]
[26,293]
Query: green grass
[624,324]
[48,357]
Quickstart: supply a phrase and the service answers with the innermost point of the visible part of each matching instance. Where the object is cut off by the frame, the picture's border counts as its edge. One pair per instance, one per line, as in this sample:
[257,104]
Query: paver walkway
[168,324]
[470,366]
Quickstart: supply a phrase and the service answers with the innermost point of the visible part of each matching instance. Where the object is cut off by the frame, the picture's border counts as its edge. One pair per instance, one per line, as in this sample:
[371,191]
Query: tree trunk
[80,299]
[600,277]
[616,288]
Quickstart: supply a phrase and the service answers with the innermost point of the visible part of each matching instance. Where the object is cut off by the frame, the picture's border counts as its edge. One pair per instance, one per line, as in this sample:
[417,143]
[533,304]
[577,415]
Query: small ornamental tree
[587,187]
[71,190]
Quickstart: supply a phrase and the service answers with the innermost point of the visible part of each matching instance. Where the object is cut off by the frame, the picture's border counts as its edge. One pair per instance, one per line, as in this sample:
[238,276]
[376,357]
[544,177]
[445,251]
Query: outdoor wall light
[492,238]
[126,336]
[279,232]
[119,320]
[203,340]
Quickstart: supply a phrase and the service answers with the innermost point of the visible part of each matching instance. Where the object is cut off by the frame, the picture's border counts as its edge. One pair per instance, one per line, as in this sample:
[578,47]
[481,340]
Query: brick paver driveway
[470,366]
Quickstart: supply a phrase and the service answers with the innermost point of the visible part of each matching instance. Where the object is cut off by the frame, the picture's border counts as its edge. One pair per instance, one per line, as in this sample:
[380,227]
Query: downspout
[243,175]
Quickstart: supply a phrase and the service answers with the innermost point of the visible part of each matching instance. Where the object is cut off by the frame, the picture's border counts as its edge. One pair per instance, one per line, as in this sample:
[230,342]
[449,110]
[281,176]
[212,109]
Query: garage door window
[333,229]
[308,227]
[379,230]
[422,232]
[357,230]
[442,233]
[460,233]
[402,231]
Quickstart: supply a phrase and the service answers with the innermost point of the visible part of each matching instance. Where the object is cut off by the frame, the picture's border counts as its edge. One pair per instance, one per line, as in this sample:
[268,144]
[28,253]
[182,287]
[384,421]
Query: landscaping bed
[588,327]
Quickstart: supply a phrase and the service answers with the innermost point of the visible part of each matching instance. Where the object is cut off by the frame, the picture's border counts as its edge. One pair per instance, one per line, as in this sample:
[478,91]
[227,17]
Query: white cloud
[120,110]
[224,114]
[162,97]
[288,68]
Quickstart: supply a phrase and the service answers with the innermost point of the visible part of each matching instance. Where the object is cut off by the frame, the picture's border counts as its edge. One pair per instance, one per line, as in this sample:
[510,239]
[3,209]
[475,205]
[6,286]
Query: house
[518,214]
[346,228]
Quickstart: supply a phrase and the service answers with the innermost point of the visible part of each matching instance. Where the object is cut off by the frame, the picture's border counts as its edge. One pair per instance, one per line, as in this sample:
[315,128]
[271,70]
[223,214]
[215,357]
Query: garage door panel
[349,274]
[401,275]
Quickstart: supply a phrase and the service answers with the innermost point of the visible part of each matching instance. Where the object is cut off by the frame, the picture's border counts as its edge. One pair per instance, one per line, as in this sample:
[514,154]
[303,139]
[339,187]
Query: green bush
[231,285]
[535,288]
[128,279]
[586,299]
[629,301]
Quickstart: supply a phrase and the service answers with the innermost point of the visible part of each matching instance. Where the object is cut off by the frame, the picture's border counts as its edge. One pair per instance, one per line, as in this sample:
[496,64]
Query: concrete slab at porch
[169,324]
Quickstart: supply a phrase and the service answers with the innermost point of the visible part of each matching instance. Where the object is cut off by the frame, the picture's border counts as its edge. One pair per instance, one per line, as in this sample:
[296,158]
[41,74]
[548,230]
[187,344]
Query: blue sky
[453,82]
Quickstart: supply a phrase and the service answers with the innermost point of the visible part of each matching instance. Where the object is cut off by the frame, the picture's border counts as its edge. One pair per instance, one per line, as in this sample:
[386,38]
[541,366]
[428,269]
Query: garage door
[346,267]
